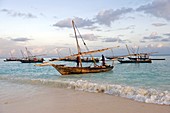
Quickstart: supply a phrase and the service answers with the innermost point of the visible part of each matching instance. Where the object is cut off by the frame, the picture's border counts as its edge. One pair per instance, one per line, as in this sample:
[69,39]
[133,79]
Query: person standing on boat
[103,60]
[78,61]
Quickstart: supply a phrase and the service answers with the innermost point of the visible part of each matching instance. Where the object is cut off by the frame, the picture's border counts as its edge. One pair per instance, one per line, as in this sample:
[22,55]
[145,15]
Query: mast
[11,54]
[22,53]
[78,47]
[58,53]
[128,49]
[70,51]
[137,51]
[27,52]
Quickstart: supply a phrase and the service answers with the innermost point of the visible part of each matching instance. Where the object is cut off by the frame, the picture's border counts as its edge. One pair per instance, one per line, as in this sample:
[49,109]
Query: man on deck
[78,61]
[103,60]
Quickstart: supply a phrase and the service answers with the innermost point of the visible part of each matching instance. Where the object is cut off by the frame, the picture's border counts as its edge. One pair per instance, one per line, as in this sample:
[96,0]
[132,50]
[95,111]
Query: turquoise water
[148,82]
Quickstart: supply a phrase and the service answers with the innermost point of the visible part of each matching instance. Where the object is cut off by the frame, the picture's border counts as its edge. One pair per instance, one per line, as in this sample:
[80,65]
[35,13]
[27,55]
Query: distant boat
[114,57]
[136,61]
[11,58]
[31,58]
[133,61]
[137,58]
[157,58]
[68,70]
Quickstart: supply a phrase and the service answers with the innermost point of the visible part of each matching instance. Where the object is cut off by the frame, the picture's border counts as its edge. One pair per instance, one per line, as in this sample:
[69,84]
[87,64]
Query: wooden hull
[115,58]
[31,61]
[158,59]
[64,70]
[74,60]
[141,59]
[8,60]
[135,61]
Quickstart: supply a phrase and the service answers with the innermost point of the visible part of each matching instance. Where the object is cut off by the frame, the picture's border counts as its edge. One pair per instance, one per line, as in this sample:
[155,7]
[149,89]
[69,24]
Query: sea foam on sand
[61,100]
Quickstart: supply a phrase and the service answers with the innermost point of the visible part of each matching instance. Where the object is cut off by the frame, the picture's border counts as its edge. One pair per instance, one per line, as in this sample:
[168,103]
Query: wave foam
[138,94]
[142,95]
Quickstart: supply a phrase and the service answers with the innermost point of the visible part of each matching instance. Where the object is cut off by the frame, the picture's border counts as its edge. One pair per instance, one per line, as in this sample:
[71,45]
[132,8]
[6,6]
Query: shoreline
[136,94]
[60,100]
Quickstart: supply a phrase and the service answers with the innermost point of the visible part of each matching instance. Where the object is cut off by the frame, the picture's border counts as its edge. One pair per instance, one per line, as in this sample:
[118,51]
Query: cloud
[80,22]
[167,34]
[21,39]
[166,39]
[152,37]
[158,24]
[127,28]
[115,40]
[106,17]
[142,41]
[89,37]
[92,28]
[18,14]
[156,38]
[14,47]
[158,8]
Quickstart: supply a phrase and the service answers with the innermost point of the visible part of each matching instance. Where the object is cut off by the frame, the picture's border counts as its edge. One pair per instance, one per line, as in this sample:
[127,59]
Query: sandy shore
[56,100]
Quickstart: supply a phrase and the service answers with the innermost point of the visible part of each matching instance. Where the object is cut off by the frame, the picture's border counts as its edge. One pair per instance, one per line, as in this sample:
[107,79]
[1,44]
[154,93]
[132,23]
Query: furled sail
[81,53]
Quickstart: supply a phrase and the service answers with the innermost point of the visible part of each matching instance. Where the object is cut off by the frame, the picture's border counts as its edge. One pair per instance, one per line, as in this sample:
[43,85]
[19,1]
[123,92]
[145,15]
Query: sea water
[144,82]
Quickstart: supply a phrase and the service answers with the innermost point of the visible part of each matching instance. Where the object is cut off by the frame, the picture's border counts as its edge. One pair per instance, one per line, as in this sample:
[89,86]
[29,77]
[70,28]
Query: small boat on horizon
[11,58]
[31,58]
[136,60]
[137,57]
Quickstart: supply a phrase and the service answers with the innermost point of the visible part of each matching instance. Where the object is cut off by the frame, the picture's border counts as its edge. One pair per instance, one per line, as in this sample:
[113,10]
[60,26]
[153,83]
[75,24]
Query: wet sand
[56,100]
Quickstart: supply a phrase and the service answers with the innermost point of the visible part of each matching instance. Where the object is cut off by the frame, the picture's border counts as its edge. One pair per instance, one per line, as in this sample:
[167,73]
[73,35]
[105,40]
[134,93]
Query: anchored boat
[80,69]
[31,58]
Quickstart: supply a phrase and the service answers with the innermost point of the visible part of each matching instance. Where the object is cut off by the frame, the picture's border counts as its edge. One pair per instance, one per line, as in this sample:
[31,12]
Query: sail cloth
[92,52]
[81,53]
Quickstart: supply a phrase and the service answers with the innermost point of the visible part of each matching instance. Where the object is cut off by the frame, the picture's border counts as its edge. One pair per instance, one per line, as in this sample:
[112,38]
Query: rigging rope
[86,45]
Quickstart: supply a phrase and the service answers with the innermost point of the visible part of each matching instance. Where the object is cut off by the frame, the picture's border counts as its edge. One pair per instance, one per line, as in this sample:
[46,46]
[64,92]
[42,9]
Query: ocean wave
[138,94]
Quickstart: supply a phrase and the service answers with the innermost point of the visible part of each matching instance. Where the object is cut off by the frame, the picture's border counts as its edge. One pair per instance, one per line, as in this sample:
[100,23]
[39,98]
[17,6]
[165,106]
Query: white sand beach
[56,100]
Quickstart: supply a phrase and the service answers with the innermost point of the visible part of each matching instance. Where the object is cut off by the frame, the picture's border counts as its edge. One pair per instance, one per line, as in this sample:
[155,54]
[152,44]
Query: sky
[44,27]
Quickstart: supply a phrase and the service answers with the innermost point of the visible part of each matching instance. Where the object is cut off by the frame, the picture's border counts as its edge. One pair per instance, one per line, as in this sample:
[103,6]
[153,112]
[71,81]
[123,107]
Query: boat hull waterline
[31,61]
[64,70]
[135,61]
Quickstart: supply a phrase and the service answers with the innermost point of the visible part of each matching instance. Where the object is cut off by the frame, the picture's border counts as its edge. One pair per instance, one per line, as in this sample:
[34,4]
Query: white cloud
[80,22]
[89,37]
[127,28]
[106,17]
[158,8]
[119,40]
[18,14]
[167,34]
[156,38]
[20,39]
[159,24]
